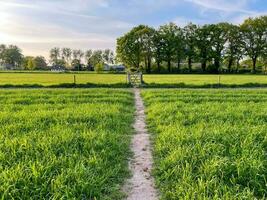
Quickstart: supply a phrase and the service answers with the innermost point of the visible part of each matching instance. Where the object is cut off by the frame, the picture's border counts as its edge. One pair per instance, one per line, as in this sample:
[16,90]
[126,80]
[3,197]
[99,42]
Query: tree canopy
[211,45]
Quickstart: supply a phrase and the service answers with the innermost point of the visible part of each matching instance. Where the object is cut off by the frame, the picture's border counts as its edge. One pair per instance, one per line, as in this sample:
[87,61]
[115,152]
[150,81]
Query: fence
[135,79]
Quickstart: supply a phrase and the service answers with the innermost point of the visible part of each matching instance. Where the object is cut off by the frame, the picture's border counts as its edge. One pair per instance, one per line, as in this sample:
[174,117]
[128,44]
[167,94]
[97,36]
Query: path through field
[141,185]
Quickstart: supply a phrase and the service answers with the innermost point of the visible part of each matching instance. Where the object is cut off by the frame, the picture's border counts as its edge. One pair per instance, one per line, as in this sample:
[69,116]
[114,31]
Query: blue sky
[38,25]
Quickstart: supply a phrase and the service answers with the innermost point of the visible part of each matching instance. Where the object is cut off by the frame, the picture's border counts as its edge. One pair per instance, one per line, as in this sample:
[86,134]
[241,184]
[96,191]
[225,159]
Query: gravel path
[141,185]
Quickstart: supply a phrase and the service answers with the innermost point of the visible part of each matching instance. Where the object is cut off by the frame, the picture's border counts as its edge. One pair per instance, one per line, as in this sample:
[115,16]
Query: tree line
[215,47]
[81,60]
[12,58]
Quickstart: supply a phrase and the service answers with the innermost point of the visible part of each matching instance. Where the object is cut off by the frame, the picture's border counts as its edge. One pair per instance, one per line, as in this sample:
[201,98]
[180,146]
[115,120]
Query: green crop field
[64,144]
[209,144]
[163,80]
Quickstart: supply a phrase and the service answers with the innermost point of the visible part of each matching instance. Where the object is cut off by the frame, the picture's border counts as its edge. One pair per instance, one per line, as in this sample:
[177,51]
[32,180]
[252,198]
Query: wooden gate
[135,79]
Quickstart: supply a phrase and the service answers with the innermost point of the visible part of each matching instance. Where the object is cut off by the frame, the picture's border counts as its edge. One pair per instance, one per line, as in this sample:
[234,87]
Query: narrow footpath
[141,185]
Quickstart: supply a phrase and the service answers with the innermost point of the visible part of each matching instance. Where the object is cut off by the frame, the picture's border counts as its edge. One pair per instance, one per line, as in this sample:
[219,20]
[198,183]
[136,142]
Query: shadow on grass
[183,85]
[67,85]
[145,85]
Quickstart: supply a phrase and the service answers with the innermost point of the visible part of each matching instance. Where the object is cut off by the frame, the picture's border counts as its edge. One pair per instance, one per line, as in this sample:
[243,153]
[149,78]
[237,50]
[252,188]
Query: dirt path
[141,185]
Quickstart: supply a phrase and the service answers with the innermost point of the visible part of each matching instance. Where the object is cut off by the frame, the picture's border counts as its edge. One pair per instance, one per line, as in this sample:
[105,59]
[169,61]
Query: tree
[218,39]
[158,49]
[203,43]
[145,35]
[54,55]
[30,64]
[88,58]
[179,46]
[66,54]
[190,38]
[2,52]
[26,61]
[77,57]
[12,56]
[168,35]
[108,56]
[99,67]
[129,50]
[254,36]
[97,57]
[40,63]
[234,44]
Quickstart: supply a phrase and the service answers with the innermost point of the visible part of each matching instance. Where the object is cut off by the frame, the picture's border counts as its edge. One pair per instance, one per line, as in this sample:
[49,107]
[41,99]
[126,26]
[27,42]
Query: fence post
[74,79]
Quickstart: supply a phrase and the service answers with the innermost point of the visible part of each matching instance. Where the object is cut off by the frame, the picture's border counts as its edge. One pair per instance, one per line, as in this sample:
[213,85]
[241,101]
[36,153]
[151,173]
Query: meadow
[208,143]
[64,144]
[48,79]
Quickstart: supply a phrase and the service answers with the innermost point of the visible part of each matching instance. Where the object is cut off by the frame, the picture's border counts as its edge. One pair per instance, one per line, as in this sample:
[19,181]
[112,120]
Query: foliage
[254,33]
[10,56]
[99,67]
[40,63]
[210,44]
[129,49]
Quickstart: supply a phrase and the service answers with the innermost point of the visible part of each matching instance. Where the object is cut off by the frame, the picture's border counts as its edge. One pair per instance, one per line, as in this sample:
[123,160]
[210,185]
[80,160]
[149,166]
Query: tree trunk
[146,64]
[254,64]
[204,65]
[169,66]
[237,66]
[158,64]
[178,65]
[230,64]
[190,64]
[149,65]
[217,65]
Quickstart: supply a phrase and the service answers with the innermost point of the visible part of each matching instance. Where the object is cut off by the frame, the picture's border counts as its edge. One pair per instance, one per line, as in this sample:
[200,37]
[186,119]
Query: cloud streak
[38,26]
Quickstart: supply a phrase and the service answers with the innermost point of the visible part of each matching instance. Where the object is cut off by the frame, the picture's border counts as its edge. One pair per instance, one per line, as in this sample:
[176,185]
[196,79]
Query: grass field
[119,80]
[205,80]
[64,144]
[209,144]
[48,79]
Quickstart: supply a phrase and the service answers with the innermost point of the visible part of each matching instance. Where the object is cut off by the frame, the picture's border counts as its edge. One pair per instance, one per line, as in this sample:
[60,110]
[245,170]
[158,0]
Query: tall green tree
[77,59]
[95,58]
[88,55]
[12,56]
[146,33]
[218,39]
[254,37]
[54,55]
[158,55]
[30,64]
[66,54]
[2,52]
[180,46]
[234,46]
[108,56]
[204,46]
[190,38]
[129,50]
[168,35]
[40,63]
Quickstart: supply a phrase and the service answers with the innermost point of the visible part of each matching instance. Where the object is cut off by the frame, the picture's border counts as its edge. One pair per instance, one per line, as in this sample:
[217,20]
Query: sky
[36,26]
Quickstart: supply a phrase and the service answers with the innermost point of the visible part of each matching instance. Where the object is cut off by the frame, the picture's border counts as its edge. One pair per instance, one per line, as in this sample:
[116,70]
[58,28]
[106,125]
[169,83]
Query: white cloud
[223,5]
[38,27]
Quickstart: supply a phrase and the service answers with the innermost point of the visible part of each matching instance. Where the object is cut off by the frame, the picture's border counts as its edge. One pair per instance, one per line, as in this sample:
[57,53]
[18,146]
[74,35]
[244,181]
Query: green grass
[64,144]
[209,144]
[204,80]
[48,79]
